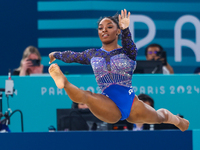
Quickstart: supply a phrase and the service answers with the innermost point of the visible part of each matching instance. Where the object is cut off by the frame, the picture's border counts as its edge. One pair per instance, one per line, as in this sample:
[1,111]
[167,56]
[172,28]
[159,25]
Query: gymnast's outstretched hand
[124,19]
[52,58]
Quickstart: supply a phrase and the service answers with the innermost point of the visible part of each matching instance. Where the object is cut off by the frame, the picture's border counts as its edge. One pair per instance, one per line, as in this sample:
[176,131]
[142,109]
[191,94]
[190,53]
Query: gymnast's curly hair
[113,18]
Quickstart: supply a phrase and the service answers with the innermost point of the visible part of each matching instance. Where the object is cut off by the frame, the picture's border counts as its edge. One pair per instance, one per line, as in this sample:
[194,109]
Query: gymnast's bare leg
[101,106]
[106,110]
[143,113]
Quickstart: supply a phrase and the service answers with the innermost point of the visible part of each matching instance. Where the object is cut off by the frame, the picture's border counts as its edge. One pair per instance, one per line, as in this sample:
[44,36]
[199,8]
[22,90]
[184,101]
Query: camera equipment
[78,119]
[9,85]
[35,62]
[148,67]
[162,54]
[9,89]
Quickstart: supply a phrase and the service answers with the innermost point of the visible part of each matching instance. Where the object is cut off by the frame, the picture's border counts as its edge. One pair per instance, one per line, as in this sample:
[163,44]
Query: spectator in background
[79,106]
[147,100]
[197,70]
[140,126]
[156,52]
[30,62]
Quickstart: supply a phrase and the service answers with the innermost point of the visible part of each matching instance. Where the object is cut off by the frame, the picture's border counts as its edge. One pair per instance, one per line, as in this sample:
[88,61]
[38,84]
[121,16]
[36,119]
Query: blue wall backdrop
[62,25]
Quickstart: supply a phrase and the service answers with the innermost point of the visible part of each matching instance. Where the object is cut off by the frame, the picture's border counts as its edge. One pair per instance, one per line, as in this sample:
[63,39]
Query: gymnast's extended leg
[143,113]
[101,106]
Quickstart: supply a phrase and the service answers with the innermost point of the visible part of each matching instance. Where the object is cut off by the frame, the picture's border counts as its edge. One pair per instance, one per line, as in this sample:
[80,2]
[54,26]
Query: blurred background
[72,25]
[61,25]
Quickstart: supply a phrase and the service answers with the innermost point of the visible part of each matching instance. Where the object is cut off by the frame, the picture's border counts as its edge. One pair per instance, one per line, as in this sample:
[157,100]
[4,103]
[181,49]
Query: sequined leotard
[113,70]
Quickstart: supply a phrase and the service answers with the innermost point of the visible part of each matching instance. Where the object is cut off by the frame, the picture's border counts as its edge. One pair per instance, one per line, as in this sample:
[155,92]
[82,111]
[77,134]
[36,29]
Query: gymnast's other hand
[124,19]
[52,58]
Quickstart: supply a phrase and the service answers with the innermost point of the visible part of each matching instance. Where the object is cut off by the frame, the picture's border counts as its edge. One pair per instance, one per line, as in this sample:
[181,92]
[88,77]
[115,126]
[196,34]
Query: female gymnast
[113,67]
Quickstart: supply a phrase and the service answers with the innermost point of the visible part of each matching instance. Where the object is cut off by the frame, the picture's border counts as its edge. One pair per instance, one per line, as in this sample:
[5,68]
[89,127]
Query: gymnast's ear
[118,31]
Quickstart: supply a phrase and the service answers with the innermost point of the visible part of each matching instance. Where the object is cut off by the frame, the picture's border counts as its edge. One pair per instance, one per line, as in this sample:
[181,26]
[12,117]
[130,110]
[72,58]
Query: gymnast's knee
[163,116]
[88,96]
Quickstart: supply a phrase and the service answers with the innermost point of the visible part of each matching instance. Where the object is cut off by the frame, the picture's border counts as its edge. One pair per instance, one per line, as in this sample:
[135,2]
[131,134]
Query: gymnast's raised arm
[127,42]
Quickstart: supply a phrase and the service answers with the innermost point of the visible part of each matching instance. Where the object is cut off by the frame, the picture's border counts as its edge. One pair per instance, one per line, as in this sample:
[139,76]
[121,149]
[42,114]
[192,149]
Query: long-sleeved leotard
[113,67]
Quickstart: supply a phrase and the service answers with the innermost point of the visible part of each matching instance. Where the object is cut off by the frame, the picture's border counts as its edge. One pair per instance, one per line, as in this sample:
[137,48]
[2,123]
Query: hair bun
[116,17]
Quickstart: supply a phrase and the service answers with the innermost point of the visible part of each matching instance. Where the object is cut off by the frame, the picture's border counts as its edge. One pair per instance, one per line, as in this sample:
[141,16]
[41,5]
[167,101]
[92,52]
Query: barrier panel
[38,97]
[107,140]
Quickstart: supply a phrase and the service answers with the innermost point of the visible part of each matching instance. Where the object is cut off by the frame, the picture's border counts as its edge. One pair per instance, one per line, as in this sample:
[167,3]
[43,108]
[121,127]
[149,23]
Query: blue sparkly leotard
[113,70]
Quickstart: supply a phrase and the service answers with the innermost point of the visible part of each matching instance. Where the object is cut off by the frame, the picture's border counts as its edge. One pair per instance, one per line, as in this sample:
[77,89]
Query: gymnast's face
[108,31]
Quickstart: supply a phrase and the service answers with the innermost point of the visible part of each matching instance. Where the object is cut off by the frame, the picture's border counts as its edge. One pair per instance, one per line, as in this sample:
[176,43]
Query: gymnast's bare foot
[57,75]
[183,125]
